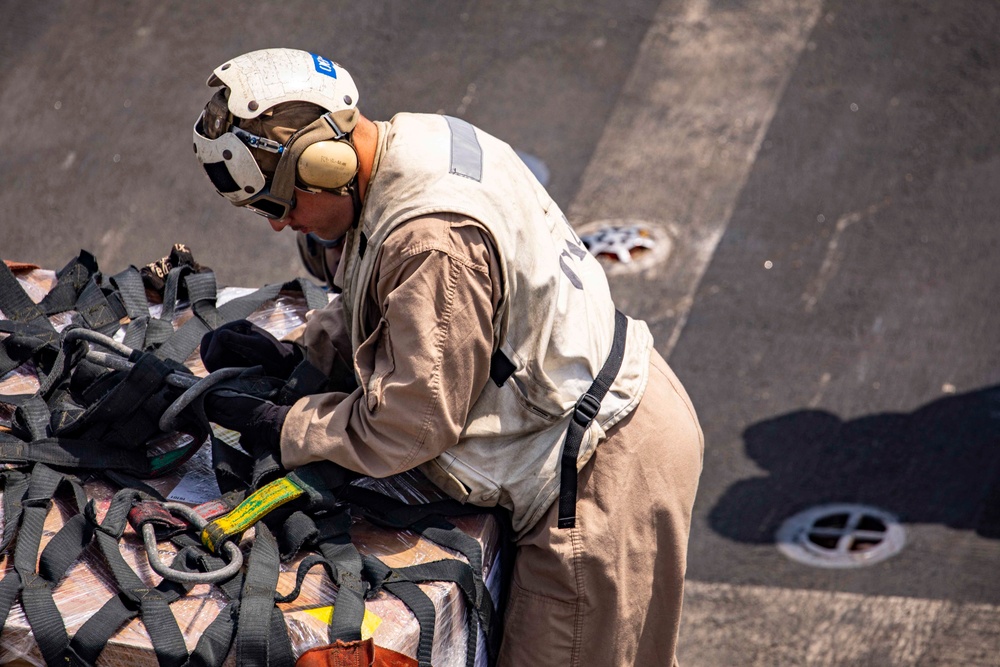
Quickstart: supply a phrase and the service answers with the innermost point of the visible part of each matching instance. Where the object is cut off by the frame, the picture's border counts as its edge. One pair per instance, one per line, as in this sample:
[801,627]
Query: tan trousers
[609,591]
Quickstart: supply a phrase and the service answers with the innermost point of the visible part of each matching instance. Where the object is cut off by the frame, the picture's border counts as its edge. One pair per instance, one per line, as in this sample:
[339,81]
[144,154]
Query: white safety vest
[554,323]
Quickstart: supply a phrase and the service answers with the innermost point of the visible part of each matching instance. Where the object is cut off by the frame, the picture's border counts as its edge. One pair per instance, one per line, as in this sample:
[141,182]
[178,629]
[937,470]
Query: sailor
[472,337]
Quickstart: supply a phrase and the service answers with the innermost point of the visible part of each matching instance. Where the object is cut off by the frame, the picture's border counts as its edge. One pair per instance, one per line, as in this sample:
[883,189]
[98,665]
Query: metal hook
[167,572]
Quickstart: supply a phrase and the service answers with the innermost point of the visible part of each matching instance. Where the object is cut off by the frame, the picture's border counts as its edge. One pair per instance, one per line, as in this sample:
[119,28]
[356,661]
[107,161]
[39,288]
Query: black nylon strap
[31,414]
[15,486]
[70,281]
[36,588]
[585,412]
[186,339]
[31,329]
[133,296]
[261,636]
[349,611]
[152,604]
[415,600]
[14,301]
[202,292]
[99,313]
[459,573]
[428,520]
[161,328]
[67,452]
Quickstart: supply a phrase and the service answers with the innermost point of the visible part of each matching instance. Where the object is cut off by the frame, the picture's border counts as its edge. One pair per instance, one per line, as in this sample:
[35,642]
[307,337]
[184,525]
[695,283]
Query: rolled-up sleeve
[425,362]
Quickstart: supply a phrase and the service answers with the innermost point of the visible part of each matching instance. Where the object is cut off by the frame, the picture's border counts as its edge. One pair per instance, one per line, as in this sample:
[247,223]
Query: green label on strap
[250,511]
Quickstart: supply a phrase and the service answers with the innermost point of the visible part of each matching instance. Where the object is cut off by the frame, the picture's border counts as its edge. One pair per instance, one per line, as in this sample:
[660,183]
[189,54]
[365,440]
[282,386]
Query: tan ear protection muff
[328,165]
[319,157]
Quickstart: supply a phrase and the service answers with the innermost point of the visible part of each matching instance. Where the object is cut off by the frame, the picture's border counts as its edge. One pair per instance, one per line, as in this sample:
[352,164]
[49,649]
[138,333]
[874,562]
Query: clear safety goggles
[235,173]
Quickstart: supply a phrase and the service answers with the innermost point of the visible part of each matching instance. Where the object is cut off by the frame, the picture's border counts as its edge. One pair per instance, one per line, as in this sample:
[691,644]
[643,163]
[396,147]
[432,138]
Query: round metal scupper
[841,536]
[626,246]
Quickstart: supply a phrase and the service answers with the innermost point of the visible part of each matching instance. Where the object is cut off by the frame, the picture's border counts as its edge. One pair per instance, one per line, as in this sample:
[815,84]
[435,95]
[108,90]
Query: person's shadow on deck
[938,464]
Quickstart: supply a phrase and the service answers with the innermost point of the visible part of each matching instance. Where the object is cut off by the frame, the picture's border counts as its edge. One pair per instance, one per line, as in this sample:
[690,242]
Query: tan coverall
[607,592]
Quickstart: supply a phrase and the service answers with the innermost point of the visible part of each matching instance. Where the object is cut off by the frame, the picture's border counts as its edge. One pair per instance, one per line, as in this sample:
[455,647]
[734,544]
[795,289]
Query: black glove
[241,344]
[258,421]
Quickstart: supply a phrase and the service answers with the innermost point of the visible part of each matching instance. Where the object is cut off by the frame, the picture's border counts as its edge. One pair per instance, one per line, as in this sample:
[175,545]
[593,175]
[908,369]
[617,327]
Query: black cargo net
[103,402]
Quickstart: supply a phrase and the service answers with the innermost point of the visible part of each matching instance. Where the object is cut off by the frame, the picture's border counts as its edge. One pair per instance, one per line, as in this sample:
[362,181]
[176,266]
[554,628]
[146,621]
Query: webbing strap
[344,565]
[128,282]
[459,573]
[71,453]
[584,413]
[349,612]
[261,636]
[70,281]
[30,327]
[446,534]
[133,296]
[216,640]
[15,486]
[187,338]
[57,557]
[135,597]
[97,311]
[31,413]
[428,520]
[213,645]
[36,584]
[161,328]
[202,293]
[15,303]
[415,600]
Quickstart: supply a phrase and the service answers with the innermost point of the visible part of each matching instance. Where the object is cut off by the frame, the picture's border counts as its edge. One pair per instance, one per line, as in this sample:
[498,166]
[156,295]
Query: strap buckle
[586,409]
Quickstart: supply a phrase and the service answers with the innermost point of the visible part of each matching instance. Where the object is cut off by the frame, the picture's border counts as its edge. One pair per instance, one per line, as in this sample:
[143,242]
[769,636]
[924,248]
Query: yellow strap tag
[250,511]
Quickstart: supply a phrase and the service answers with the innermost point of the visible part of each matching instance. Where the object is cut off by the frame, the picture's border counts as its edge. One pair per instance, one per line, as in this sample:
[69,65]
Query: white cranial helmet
[318,156]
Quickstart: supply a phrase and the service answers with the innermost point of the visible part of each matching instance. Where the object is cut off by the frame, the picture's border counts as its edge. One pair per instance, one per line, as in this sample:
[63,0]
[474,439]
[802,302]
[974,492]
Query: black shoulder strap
[583,414]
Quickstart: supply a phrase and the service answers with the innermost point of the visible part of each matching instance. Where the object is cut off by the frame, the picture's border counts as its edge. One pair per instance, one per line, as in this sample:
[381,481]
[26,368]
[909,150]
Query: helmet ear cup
[327,165]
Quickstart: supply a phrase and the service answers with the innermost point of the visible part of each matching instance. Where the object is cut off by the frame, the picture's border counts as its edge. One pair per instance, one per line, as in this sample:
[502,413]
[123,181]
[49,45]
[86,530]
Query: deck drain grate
[621,244]
[627,245]
[841,536]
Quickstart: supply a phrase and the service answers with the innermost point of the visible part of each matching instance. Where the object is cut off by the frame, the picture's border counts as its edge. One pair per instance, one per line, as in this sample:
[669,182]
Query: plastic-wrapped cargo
[88,584]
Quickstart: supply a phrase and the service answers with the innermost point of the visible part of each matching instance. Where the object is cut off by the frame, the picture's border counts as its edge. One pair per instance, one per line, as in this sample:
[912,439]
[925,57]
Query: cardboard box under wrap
[88,584]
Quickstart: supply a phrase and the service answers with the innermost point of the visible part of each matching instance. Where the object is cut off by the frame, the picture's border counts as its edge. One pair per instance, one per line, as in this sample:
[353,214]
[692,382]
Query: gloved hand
[242,343]
[258,421]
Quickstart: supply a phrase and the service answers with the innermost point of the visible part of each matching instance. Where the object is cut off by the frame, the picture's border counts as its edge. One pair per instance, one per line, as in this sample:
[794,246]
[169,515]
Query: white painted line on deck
[690,120]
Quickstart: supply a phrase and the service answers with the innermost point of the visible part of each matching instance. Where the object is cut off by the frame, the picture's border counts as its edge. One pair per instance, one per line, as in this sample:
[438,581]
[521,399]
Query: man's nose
[278,225]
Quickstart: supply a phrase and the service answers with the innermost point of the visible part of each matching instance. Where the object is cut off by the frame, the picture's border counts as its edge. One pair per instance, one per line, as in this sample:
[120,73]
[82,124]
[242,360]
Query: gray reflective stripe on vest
[466,154]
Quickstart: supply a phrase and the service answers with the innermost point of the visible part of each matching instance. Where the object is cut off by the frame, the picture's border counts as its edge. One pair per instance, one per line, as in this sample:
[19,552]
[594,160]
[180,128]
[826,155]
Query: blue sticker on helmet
[324,66]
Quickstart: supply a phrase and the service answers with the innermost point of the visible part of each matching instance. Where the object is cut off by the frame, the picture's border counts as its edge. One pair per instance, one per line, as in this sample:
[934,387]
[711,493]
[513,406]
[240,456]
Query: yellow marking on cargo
[368,624]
